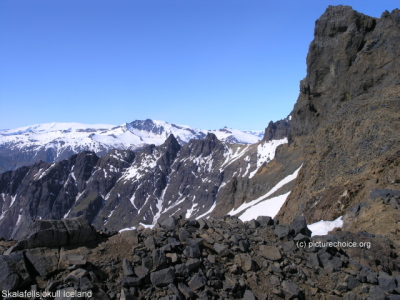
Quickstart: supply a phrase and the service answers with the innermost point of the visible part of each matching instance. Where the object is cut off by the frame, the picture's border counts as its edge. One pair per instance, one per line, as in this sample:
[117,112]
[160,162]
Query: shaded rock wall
[346,119]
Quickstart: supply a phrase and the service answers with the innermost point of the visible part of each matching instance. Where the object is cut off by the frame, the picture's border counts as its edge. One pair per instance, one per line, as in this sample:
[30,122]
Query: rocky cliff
[346,123]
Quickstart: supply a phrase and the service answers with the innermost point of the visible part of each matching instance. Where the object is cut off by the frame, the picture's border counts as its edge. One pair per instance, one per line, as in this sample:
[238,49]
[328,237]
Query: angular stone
[13,272]
[76,260]
[169,223]
[184,289]
[230,284]
[329,262]
[211,258]
[192,263]
[270,252]
[246,262]
[313,260]
[127,267]
[141,272]
[386,282]
[173,257]
[184,235]
[172,287]
[248,295]
[163,277]
[202,224]
[254,224]
[196,282]
[221,249]
[376,293]
[265,220]
[351,282]
[150,243]
[207,238]
[281,231]
[192,251]
[126,296]
[44,260]
[181,270]
[159,258]
[244,245]
[299,225]
[290,289]
[129,281]
[76,276]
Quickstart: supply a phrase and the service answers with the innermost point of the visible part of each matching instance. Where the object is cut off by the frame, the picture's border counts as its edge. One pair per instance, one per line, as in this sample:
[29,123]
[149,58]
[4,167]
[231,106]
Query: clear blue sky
[203,63]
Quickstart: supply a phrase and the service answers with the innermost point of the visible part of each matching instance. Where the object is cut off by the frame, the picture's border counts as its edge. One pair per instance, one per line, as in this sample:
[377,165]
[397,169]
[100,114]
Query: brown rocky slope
[346,124]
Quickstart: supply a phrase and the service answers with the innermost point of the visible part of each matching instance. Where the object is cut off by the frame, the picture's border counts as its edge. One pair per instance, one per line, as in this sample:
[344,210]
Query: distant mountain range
[57,141]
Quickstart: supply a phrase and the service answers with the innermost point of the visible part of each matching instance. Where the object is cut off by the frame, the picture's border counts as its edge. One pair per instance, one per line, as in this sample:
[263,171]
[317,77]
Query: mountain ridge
[56,141]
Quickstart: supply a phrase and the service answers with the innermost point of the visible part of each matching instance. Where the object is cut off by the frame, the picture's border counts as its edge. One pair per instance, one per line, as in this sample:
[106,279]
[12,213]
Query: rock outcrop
[346,122]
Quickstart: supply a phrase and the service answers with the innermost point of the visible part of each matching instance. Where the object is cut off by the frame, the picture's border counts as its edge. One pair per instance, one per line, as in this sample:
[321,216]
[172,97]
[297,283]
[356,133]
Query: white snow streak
[280,184]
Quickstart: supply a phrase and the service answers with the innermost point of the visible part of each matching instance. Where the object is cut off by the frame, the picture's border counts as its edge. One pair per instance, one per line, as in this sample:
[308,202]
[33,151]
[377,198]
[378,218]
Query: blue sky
[202,63]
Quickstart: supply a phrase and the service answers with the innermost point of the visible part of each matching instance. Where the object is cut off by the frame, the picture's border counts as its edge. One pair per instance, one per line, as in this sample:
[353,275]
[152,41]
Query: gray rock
[150,243]
[211,258]
[244,245]
[282,231]
[270,252]
[44,260]
[386,282]
[172,287]
[184,235]
[129,281]
[230,284]
[181,270]
[163,277]
[192,251]
[185,290]
[254,224]
[248,295]
[299,225]
[290,289]
[169,223]
[159,258]
[351,282]
[127,267]
[265,220]
[141,272]
[14,273]
[329,262]
[197,282]
[192,263]
[202,224]
[376,293]
[221,249]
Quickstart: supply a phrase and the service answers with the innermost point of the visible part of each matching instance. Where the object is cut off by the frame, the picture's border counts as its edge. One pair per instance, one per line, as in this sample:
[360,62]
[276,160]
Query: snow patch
[266,152]
[128,228]
[323,227]
[268,207]
[280,184]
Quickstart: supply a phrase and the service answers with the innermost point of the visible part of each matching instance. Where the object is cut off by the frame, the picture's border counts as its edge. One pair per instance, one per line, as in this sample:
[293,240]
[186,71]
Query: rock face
[155,264]
[277,130]
[346,122]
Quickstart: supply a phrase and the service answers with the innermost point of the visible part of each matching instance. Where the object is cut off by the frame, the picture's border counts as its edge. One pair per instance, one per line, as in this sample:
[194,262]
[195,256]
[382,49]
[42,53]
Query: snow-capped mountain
[125,188]
[56,141]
